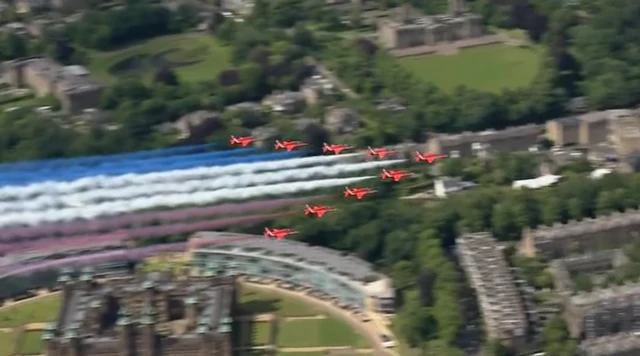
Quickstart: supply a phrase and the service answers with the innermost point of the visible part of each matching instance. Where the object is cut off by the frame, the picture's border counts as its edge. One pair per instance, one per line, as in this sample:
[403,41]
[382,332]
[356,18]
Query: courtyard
[489,68]
[192,56]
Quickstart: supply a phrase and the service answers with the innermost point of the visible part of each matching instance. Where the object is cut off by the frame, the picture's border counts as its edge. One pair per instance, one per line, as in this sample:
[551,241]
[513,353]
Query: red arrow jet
[317,210]
[279,234]
[288,145]
[335,149]
[428,157]
[244,141]
[380,152]
[359,193]
[395,175]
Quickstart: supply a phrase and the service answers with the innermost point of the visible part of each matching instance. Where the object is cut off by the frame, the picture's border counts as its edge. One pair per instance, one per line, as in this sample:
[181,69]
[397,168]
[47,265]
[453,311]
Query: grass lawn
[491,67]
[318,332]
[258,301]
[32,343]
[42,309]
[6,343]
[260,333]
[193,56]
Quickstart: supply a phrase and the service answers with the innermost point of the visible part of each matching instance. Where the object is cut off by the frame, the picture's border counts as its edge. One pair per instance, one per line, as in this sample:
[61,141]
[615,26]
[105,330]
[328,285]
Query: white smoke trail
[125,194]
[22,192]
[171,201]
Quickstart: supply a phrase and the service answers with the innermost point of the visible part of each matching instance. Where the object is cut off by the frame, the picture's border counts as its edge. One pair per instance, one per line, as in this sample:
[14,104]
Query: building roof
[490,276]
[489,135]
[331,260]
[576,228]
[609,345]
[610,297]
[64,78]
[536,183]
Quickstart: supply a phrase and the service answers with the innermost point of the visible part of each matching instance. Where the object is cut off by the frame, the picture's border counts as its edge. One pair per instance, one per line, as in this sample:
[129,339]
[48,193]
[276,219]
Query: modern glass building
[347,278]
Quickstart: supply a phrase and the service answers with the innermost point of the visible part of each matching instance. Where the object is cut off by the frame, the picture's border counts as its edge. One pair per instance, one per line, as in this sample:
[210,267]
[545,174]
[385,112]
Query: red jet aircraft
[336,149]
[317,210]
[288,145]
[279,234]
[359,193]
[428,157]
[244,141]
[395,175]
[380,152]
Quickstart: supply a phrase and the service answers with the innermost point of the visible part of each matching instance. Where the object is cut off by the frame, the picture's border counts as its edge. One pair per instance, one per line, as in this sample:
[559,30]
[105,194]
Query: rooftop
[616,296]
[69,79]
[489,274]
[331,260]
[490,135]
[578,228]
[609,345]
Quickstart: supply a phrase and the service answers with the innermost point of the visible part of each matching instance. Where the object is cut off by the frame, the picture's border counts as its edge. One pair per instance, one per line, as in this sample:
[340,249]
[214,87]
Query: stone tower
[456,7]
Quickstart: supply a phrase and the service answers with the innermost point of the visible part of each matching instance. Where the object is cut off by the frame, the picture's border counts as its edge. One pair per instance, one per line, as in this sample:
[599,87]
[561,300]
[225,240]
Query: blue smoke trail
[128,165]
[92,160]
[158,167]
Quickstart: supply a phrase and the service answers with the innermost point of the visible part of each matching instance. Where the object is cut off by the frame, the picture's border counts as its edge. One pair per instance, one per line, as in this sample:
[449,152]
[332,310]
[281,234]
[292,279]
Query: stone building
[574,237]
[72,85]
[349,282]
[342,120]
[198,125]
[604,312]
[596,262]
[489,275]
[587,129]
[624,131]
[517,138]
[623,344]
[153,316]
[405,27]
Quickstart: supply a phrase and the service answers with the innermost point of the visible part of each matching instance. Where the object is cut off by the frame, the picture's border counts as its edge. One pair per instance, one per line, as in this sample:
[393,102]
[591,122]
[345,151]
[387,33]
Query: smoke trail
[91,260]
[23,192]
[114,223]
[105,168]
[118,237]
[90,160]
[171,200]
[226,182]
[178,165]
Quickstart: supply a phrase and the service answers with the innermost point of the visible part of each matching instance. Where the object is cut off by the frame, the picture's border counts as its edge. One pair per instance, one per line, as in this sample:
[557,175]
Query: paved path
[322,348]
[369,330]
[41,294]
[308,317]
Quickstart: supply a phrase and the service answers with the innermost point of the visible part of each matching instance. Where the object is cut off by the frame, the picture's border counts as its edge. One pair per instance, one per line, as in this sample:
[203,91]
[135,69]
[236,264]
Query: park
[193,57]
[488,68]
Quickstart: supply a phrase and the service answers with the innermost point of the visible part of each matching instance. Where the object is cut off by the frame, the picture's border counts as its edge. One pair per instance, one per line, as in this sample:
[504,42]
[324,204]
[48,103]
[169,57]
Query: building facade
[518,138]
[405,27]
[72,85]
[153,316]
[604,312]
[346,279]
[489,275]
[624,344]
[577,237]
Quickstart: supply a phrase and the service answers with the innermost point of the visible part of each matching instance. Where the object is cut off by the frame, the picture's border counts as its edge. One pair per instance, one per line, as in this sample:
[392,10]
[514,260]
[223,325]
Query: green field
[257,301]
[32,343]
[42,309]
[490,68]
[260,333]
[194,57]
[318,332]
[6,343]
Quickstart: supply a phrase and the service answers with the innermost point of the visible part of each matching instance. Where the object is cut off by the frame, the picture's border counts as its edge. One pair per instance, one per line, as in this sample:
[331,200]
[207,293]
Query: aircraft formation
[336,149]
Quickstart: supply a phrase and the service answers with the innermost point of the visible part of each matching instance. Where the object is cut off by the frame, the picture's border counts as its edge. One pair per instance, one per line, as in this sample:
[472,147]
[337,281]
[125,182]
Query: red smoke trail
[133,220]
[52,245]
